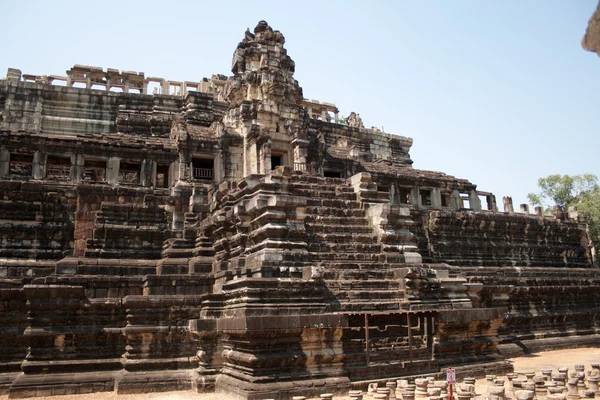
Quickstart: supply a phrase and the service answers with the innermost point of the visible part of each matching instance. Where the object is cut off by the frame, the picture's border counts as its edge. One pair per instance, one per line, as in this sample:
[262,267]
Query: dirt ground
[536,362]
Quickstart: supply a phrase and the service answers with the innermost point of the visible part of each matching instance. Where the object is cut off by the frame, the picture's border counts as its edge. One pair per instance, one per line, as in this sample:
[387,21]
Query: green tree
[581,191]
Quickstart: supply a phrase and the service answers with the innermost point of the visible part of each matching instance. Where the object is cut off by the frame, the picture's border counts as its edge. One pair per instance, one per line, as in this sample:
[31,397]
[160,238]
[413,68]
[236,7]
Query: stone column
[593,383]
[112,170]
[474,201]
[508,204]
[524,208]
[77,168]
[173,173]
[148,173]
[436,198]
[415,197]
[455,200]
[38,170]
[4,162]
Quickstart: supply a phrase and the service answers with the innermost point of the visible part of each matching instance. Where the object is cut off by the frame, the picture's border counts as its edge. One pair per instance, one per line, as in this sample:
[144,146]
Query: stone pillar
[524,394]
[392,386]
[524,208]
[355,395]
[164,87]
[491,201]
[415,196]
[13,74]
[77,168]
[436,198]
[148,173]
[593,383]
[474,201]
[508,204]
[112,170]
[38,170]
[173,173]
[455,200]
[4,162]
[421,388]
[572,393]
[409,392]
[384,391]
[539,211]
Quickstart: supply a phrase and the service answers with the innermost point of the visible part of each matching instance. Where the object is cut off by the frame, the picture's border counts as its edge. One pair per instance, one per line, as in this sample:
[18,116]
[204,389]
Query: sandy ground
[550,359]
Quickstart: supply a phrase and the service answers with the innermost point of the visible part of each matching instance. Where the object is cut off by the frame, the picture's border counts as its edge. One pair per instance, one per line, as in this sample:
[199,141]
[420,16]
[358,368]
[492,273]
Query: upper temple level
[122,128]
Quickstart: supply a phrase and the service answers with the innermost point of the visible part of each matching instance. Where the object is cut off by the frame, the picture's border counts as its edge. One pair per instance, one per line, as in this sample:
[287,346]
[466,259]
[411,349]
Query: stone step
[326,255]
[362,306]
[358,274]
[322,228]
[328,211]
[363,284]
[348,238]
[334,203]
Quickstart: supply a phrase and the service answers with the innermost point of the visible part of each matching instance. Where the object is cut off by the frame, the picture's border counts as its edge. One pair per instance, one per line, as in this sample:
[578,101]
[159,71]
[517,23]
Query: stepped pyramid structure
[231,235]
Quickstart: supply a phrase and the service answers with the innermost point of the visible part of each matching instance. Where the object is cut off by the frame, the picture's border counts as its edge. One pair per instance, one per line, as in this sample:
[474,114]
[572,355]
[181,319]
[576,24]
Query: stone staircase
[344,250]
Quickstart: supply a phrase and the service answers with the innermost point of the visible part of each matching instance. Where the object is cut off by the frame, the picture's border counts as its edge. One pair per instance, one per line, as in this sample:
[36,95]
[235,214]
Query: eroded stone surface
[232,235]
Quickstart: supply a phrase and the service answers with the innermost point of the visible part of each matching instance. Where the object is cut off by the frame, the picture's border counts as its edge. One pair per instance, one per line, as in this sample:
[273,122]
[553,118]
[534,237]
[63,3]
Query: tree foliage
[581,191]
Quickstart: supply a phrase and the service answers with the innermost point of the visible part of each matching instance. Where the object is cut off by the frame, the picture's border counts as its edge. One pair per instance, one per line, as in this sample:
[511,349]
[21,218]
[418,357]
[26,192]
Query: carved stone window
[21,164]
[425,197]
[203,169]
[129,173]
[445,200]
[404,195]
[95,170]
[162,176]
[58,168]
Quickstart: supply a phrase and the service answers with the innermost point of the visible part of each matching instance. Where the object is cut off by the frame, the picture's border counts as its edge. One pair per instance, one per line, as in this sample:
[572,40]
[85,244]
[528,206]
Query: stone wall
[231,235]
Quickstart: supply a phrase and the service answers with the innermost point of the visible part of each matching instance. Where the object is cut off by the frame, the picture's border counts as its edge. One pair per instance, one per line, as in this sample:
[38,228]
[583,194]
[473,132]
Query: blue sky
[500,93]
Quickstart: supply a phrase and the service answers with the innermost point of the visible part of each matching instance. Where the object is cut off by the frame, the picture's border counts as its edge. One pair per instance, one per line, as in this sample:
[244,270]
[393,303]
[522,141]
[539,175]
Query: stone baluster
[560,378]
[421,390]
[556,396]
[556,389]
[434,392]
[573,392]
[443,385]
[469,381]
[355,394]
[392,386]
[529,375]
[496,392]
[547,374]
[409,392]
[402,384]
[372,388]
[592,382]
[524,394]
[595,371]
[541,389]
[465,391]
[384,390]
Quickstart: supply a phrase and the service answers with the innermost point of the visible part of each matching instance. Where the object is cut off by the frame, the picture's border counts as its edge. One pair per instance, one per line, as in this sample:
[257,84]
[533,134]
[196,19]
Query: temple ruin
[232,235]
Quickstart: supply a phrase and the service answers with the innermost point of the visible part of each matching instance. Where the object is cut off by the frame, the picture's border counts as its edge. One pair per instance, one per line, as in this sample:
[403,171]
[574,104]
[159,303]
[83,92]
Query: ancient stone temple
[232,235]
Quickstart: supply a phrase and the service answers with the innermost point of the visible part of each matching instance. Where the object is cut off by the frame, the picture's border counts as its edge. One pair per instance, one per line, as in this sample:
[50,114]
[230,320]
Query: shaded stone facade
[232,235]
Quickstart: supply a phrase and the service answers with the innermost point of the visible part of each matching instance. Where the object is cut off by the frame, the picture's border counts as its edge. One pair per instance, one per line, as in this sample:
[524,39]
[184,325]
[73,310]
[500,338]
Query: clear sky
[500,93]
